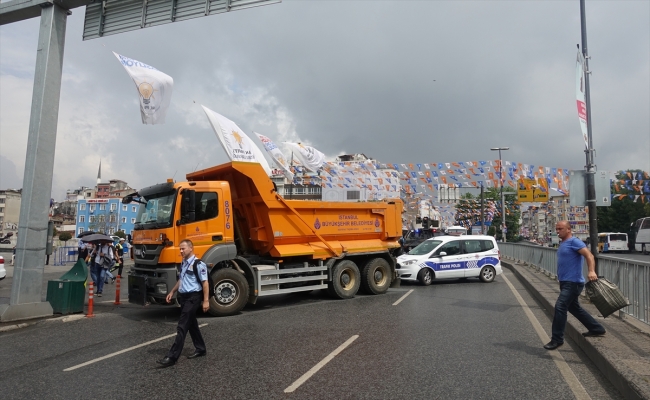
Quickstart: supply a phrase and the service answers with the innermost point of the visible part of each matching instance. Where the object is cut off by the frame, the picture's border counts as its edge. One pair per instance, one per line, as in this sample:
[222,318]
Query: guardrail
[631,276]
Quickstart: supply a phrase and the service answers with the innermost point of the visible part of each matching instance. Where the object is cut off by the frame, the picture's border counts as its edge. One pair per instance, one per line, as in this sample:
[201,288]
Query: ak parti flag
[154,89]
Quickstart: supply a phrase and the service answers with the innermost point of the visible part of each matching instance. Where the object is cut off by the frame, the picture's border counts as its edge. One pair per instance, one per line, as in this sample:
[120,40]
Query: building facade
[538,222]
[105,215]
[10,200]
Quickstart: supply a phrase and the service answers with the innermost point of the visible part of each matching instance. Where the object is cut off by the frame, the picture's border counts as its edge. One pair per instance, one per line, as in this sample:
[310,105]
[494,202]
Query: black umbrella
[86,233]
[97,237]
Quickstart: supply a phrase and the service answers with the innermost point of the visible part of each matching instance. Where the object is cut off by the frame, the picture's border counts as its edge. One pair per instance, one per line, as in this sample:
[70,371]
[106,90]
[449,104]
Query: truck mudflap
[137,289]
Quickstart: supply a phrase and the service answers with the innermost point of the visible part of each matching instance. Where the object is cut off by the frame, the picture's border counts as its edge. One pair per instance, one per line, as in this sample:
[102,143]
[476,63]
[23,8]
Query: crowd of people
[103,257]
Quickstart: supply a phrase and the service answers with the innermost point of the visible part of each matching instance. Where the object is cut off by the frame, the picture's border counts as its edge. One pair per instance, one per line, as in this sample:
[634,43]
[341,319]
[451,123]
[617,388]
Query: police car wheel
[487,274]
[346,280]
[376,276]
[425,276]
[230,292]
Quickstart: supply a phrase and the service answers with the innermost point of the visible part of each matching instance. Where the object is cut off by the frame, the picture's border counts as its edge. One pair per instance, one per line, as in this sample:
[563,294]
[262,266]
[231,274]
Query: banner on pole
[581,98]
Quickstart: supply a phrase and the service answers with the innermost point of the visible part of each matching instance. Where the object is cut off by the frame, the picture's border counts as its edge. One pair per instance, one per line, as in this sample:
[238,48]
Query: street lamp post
[503,202]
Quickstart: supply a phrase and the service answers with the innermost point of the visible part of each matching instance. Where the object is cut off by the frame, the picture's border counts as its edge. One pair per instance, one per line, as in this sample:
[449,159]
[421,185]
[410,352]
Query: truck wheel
[487,274]
[376,276]
[230,292]
[345,280]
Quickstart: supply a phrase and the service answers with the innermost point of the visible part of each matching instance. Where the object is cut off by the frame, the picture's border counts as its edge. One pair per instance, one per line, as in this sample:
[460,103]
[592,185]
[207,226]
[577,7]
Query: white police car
[448,257]
[3,271]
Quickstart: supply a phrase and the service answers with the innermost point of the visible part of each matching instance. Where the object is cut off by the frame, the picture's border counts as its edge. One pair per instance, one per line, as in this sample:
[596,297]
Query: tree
[469,208]
[623,211]
[121,234]
[65,236]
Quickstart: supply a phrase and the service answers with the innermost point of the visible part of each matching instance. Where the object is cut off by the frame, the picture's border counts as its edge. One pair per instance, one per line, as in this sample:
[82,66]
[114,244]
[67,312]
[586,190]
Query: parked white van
[448,257]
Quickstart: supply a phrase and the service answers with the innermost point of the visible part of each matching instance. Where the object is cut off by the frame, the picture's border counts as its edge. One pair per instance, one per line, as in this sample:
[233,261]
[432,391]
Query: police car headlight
[161,288]
[408,262]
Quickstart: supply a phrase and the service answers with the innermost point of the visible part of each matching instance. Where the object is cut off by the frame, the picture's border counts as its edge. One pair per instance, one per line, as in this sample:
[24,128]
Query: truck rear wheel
[376,276]
[230,292]
[345,280]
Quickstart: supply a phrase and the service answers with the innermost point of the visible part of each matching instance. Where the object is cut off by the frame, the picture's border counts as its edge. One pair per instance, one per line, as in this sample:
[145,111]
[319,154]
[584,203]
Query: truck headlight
[161,288]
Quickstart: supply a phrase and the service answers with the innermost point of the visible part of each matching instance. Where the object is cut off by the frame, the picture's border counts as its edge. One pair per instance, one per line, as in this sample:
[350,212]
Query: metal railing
[631,276]
[64,255]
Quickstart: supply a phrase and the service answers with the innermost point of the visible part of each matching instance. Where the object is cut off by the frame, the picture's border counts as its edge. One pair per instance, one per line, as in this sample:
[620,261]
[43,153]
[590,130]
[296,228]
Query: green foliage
[623,212]
[121,234]
[65,236]
[471,205]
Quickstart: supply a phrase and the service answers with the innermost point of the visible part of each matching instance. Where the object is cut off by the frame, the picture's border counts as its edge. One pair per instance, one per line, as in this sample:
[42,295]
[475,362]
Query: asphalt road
[451,340]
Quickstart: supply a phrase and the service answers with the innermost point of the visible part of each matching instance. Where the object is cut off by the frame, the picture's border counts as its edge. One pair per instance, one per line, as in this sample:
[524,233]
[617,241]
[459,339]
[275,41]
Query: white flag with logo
[237,144]
[311,158]
[154,89]
[580,97]
[276,155]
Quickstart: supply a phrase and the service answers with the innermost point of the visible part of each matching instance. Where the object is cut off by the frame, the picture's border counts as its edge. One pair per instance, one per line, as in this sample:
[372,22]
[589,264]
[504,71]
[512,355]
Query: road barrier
[117,291]
[65,254]
[631,276]
[91,296]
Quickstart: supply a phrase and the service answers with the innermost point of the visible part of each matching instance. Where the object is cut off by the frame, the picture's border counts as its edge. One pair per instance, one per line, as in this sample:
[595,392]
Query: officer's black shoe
[197,354]
[552,345]
[166,362]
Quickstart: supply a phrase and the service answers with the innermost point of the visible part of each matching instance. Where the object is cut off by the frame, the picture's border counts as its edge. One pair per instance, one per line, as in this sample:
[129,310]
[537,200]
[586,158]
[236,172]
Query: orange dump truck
[256,243]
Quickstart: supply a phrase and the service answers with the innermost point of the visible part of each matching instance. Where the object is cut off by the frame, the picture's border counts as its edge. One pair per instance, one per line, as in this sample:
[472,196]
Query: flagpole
[589,152]
[291,184]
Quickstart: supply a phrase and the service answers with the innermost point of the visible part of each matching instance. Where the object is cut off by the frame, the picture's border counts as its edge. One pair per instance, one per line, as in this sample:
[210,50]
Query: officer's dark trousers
[190,304]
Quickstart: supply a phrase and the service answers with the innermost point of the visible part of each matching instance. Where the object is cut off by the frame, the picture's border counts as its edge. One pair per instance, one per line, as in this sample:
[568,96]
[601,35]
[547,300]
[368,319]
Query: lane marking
[122,351]
[576,387]
[320,365]
[403,297]
[113,301]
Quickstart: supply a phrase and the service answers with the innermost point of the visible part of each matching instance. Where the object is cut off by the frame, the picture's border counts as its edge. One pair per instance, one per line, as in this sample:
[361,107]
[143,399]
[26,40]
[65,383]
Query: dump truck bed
[266,223]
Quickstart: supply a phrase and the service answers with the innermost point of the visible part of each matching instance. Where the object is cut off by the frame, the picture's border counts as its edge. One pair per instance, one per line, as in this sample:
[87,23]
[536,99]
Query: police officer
[192,295]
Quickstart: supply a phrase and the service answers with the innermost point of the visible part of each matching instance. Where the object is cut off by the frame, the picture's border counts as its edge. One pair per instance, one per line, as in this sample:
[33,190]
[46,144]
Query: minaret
[99,173]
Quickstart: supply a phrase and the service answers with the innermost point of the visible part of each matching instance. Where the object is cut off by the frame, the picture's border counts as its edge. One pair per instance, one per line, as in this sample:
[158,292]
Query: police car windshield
[425,247]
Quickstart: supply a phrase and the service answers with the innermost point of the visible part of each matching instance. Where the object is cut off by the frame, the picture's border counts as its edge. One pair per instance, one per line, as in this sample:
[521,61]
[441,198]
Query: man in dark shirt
[569,273]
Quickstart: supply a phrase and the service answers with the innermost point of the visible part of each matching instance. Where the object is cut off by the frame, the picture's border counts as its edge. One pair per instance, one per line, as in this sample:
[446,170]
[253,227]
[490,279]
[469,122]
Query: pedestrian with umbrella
[103,258]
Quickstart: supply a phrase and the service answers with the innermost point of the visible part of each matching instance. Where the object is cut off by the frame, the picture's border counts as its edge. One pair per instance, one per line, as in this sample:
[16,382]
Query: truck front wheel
[376,276]
[230,292]
[345,280]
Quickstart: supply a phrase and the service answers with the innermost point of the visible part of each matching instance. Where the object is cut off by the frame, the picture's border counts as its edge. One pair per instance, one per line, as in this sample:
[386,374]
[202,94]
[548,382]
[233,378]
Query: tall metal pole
[590,167]
[503,202]
[482,212]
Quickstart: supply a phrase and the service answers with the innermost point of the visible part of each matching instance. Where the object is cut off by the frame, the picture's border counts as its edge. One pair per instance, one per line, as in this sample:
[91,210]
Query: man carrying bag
[572,282]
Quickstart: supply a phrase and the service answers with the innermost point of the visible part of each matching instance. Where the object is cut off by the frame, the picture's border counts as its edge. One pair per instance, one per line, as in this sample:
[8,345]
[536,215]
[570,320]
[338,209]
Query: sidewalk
[623,354]
[55,272]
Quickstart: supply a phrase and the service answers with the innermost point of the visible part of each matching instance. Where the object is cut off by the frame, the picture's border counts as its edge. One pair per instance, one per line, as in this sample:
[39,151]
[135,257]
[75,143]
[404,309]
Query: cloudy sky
[400,81]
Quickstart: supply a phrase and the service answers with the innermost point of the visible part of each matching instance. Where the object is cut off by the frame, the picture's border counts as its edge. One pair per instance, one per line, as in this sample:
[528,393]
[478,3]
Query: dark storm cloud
[399,81]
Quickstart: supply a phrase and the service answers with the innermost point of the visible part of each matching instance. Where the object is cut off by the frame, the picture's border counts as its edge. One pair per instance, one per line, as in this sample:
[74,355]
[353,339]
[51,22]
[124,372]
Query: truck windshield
[158,211]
